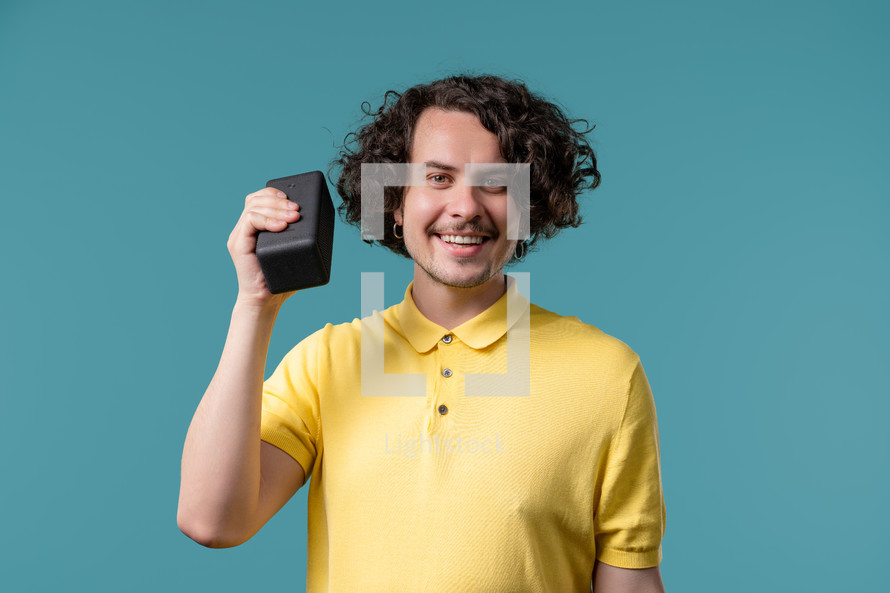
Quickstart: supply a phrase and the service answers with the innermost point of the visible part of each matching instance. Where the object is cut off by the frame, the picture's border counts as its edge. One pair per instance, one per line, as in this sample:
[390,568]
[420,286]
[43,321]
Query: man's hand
[265,210]
[610,579]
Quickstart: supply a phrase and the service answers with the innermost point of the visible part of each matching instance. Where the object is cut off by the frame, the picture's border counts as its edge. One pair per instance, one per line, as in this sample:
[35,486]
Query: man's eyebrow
[438,165]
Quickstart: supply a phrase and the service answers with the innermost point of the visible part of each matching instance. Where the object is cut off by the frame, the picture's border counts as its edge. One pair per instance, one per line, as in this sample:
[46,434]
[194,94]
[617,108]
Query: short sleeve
[290,410]
[629,521]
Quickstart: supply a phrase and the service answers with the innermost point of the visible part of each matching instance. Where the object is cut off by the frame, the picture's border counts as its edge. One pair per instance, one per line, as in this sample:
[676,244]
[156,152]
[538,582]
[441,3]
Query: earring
[520,250]
[394,232]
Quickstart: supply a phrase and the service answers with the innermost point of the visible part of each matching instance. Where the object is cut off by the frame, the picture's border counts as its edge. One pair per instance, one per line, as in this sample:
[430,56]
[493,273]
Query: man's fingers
[273,214]
[264,210]
[243,236]
[266,191]
[266,221]
[268,198]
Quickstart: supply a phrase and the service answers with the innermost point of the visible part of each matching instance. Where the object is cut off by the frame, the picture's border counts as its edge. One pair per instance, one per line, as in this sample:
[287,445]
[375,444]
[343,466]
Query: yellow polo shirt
[454,491]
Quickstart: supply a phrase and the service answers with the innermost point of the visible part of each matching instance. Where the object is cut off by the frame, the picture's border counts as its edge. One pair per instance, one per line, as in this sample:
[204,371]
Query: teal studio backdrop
[738,243]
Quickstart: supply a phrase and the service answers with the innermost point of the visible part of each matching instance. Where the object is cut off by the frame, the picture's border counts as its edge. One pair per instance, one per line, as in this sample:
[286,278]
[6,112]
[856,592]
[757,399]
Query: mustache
[467,227]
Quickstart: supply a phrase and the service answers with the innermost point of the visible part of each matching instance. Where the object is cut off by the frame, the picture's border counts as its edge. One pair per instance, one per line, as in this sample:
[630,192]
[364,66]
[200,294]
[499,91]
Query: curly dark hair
[529,128]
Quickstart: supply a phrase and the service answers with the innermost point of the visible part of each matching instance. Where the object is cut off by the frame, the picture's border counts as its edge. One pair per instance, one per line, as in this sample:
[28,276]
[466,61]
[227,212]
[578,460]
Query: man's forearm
[221,457]
[611,579]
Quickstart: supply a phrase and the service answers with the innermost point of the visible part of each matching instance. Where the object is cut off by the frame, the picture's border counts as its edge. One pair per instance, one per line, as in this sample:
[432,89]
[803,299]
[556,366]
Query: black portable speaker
[300,255]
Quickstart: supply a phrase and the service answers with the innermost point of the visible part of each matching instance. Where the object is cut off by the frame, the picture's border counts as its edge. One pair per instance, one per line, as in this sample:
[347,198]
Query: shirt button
[443,409]
[447,339]
[446,373]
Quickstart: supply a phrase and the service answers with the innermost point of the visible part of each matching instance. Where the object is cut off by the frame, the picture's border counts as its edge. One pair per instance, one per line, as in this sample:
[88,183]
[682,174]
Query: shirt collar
[479,332]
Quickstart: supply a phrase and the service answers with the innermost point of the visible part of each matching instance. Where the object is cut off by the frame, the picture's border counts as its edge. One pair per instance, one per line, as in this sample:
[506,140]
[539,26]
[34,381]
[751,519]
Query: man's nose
[465,202]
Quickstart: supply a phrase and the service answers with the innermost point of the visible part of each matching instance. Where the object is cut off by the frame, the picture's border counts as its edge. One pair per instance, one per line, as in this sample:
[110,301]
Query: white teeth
[461,239]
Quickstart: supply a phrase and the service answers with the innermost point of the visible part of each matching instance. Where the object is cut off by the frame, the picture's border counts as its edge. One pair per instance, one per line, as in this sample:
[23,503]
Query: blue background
[738,243]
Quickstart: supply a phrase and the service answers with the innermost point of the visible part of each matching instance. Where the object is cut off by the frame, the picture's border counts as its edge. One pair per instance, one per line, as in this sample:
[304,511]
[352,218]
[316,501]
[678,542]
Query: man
[556,489]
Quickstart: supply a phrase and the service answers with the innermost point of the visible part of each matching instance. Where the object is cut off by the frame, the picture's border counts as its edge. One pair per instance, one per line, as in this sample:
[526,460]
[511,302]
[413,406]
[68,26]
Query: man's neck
[448,306]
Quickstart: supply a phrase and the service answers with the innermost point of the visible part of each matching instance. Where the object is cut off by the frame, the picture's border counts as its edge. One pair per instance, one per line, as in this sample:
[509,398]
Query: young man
[556,489]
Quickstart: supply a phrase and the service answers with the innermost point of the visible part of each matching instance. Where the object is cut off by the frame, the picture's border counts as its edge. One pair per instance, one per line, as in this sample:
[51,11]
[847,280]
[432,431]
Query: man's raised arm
[232,482]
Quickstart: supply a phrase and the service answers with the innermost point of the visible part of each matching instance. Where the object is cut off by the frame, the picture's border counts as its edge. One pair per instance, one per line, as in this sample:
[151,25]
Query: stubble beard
[437,272]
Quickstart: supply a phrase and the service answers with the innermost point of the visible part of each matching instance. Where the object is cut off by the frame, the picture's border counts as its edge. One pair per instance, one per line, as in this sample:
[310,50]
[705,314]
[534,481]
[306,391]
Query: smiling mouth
[463,239]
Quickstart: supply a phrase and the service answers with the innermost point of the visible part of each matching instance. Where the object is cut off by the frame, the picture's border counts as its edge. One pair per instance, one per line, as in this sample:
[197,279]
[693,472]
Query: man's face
[455,232]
